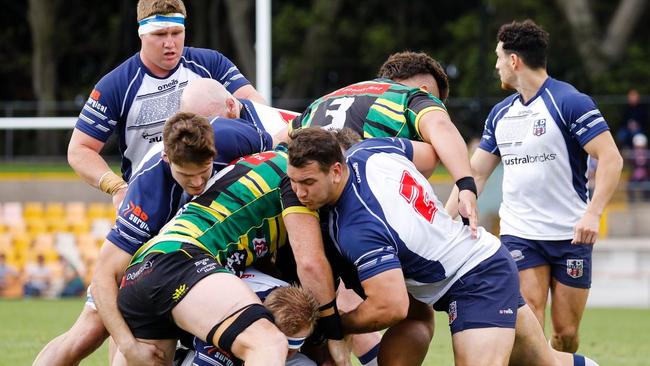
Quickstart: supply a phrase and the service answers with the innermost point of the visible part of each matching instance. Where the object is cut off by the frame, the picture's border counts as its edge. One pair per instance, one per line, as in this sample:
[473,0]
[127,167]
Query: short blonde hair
[293,308]
[147,8]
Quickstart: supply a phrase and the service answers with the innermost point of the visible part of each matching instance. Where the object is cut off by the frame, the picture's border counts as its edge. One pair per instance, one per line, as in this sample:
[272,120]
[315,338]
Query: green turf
[610,336]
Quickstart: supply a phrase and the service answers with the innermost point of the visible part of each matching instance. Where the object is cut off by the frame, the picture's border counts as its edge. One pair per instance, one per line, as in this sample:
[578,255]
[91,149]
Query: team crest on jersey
[575,267]
[453,312]
[259,244]
[539,127]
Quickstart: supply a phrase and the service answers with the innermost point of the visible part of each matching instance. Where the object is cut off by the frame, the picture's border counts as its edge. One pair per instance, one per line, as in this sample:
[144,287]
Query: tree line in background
[53,51]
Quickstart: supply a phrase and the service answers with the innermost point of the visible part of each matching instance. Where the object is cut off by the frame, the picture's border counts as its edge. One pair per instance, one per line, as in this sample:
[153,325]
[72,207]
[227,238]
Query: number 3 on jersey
[414,194]
[338,113]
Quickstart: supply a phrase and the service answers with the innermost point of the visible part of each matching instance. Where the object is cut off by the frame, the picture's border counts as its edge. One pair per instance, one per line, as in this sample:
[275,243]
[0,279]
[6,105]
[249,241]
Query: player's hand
[141,353]
[339,351]
[586,230]
[468,209]
[118,197]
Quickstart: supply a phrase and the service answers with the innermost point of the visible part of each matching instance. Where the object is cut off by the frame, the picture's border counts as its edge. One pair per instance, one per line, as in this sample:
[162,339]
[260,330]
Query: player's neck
[338,191]
[530,81]
[155,70]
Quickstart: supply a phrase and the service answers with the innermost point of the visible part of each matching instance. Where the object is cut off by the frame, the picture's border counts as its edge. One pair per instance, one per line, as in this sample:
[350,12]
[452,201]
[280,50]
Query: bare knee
[566,339]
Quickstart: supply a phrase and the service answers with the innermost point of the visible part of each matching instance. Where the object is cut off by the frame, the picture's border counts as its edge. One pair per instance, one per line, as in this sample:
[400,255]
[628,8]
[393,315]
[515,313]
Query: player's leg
[483,346]
[227,318]
[534,272]
[407,342]
[168,346]
[83,338]
[534,285]
[530,347]
[569,291]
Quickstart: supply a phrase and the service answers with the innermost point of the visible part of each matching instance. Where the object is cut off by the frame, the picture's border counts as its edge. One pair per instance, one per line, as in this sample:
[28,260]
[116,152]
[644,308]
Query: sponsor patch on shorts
[575,267]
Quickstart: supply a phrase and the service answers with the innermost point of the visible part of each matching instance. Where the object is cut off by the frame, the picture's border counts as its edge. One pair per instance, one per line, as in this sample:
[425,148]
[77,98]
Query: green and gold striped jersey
[376,108]
[238,219]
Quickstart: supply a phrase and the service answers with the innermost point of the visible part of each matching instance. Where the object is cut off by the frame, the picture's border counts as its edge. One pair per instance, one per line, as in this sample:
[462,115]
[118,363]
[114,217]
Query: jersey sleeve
[150,202]
[234,139]
[583,117]
[418,105]
[290,202]
[225,71]
[100,113]
[368,250]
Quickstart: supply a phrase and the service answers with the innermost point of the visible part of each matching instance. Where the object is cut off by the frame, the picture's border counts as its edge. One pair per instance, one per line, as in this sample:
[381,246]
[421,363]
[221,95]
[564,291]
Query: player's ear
[164,156]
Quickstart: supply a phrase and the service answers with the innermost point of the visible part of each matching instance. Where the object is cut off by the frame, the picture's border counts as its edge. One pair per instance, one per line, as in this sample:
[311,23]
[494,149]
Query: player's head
[295,311]
[162,32]
[316,166]
[189,149]
[208,98]
[418,70]
[519,45]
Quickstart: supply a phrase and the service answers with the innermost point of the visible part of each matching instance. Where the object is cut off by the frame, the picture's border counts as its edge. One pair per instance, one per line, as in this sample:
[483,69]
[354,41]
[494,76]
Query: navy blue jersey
[135,104]
[388,217]
[153,196]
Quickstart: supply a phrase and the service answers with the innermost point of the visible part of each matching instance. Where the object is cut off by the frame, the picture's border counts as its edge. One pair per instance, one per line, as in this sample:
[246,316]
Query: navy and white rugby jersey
[389,217]
[545,166]
[153,196]
[136,103]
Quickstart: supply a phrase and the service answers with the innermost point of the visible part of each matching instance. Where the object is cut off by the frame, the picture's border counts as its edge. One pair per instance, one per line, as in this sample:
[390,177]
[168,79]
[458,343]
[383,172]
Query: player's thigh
[210,301]
[534,284]
[168,346]
[530,347]
[88,329]
[483,346]
[567,306]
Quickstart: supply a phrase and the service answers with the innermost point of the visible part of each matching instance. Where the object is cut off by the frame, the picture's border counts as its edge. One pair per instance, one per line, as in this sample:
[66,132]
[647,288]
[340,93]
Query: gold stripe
[259,180]
[220,210]
[390,104]
[300,210]
[422,113]
[366,135]
[193,229]
[383,110]
[251,187]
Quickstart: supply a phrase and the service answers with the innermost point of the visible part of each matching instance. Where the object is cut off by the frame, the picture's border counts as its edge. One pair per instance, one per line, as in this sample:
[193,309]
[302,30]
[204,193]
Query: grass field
[612,337]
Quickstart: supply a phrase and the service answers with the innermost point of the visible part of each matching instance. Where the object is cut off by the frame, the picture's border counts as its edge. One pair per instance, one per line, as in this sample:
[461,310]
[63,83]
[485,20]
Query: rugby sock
[580,360]
[370,357]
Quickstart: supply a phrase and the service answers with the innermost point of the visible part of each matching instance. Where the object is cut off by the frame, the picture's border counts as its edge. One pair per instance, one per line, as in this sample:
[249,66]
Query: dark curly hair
[404,65]
[527,39]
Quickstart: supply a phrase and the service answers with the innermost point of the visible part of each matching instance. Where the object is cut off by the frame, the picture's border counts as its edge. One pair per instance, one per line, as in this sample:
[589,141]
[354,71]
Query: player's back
[238,219]
[375,108]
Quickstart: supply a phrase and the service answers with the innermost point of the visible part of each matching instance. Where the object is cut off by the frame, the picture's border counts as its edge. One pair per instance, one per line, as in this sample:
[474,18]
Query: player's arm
[437,129]
[387,303]
[608,172]
[249,92]
[483,164]
[84,158]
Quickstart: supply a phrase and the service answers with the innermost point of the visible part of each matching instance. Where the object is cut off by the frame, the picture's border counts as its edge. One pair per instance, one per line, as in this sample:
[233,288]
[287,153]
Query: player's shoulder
[566,96]
[120,77]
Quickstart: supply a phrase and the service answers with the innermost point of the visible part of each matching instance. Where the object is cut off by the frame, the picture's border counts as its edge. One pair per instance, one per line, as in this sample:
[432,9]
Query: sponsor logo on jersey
[575,267]
[179,292]
[453,312]
[168,85]
[152,137]
[95,94]
[205,265]
[96,105]
[539,127]
[260,247]
[355,167]
[136,215]
[258,159]
[374,88]
[512,159]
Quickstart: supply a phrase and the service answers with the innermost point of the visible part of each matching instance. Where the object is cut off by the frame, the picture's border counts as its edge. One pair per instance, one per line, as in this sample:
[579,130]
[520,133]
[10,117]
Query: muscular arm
[608,172]
[313,268]
[387,303]
[483,164]
[84,158]
[248,92]
[437,129]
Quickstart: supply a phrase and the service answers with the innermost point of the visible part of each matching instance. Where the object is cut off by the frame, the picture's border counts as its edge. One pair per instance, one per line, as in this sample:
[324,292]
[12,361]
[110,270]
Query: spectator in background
[626,134]
[638,187]
[8,274]
[37,278]
[635,110]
